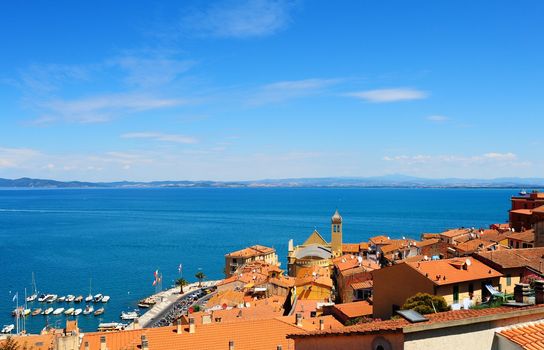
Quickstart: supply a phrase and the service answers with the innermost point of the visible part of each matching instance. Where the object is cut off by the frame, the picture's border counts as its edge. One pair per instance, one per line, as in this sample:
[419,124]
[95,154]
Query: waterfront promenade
[166,300]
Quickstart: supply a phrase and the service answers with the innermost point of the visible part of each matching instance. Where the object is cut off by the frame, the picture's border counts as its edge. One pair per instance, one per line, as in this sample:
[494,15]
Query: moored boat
[61,299]
[99,311]
[130,315]
[51,298]
[58,311]
[7,328]
[37,312]
[78,299]
[26,312]
[106,298]
[48,311]
[98,297]
[42,298]
[69,311]
[78,311]
[88,310]
[70,298]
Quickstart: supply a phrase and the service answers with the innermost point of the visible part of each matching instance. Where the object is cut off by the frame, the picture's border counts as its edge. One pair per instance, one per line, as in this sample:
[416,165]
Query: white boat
[26,312]
[131,315]
[106,298]
[89,297]
[51,298]
[111,326]
[34,295]
[48,311]
[70,298]
[99,311]
[43,297]
[98,298]
[61,299]
[69,311]
[37,311]
[7,328]
[78,311]
[58,311]
[88,310]
[78,299]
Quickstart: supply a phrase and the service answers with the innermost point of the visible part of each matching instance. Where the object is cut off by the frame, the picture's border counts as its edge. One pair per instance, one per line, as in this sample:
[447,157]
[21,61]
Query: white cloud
[437,118]
[390,95]
[16,157]
[175,138]
[500,156]
[240,18]
[286,90]
[102,108]
[487,158]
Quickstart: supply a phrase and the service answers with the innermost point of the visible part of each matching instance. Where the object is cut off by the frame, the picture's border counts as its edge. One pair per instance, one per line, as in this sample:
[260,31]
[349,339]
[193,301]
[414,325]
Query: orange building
[521,217]
[241,257]
[453,279]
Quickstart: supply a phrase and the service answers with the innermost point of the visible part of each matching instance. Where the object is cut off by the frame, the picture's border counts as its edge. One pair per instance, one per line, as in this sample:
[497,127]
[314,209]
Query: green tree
[200,276]
[181,282]
[426,303]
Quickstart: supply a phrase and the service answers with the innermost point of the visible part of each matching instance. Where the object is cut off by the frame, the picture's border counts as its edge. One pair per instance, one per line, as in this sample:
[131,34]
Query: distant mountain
[394,180]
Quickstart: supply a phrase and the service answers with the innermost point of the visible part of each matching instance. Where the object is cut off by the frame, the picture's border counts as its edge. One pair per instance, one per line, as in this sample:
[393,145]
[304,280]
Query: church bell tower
[336,234]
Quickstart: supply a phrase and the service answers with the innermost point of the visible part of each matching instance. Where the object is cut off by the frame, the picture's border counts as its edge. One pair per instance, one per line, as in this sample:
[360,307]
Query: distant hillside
[376,181]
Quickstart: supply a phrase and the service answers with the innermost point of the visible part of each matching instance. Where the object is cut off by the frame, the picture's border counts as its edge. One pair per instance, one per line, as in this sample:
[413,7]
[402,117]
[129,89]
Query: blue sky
[236,90]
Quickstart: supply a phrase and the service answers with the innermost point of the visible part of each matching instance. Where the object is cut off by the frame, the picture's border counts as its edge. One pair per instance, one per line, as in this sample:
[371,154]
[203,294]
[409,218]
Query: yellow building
[316,251]
[314,283]
[454,279]
[241,257]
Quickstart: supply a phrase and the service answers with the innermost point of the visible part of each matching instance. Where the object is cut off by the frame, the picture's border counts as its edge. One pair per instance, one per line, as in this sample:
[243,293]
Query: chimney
[86,346]
[522,291]
[192,327]
[206,319]
[145,344]
[279,347]
[298,319]
[539,292]
[179,329]
[321,324]
[103,343]
[231,345]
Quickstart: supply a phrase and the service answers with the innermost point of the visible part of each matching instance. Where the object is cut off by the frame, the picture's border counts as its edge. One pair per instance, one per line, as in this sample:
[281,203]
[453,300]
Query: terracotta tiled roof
[363,246]
[312,323]
[314,275]
[346,262]
[305,307]
[522,211]
[350,248]
[427,242]
[471,315]
[515,258]
[282,281]
[395,245]
[355,309]
[448,271]
[539,209]
[426,236]
[34,342]
[455,233]
[528,336]
[493,236]
[246,335]
[362,285]
[379,240]
[524,236]
[256,250]
[473,245]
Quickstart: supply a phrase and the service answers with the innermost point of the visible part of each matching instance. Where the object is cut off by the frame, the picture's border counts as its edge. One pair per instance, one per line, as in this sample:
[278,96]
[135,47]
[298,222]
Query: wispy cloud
[437,118]
[103,108]
[240,18]
[390,95]
[16,157]
[175,138]
[286,90]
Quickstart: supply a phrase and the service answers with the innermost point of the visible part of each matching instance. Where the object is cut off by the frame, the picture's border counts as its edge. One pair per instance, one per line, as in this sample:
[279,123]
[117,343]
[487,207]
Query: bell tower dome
[336,234]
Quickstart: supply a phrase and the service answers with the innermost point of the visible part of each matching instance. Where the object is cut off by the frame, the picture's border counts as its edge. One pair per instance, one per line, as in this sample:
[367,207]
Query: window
[470,290]
[379,347]
[455,294]
[508,280]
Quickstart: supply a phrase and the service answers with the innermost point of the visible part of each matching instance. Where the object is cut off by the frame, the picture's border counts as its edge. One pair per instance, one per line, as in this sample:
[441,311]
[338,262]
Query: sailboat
[89,298]
[34,295]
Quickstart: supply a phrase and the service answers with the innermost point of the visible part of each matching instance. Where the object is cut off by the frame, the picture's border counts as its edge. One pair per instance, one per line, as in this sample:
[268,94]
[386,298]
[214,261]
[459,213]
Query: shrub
[426,303]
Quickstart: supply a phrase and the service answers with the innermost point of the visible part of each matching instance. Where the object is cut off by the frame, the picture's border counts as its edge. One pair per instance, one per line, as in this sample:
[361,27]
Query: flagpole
[17,312]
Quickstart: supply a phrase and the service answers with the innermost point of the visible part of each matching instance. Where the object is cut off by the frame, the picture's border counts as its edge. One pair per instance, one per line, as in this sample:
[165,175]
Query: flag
[156,273]
[16,297]
[155,282]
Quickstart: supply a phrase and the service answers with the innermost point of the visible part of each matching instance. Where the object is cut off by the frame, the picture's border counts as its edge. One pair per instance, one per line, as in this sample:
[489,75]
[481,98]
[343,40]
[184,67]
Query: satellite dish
[360,259]
[468,262]
[425,258]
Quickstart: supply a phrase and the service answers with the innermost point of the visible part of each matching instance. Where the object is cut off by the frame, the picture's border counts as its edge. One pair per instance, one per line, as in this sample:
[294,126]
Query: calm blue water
[118,237]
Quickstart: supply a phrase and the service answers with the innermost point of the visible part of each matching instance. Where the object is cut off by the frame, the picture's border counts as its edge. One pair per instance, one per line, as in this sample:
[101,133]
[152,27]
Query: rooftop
[527,335]
[515,258]
[438,320]
[256,250]
[449,271]
[455,232]
[524,236]
[355,309]
[34,342]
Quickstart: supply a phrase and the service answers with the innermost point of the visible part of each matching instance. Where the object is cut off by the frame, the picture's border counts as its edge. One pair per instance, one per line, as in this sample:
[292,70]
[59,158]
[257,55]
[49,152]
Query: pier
[166,300]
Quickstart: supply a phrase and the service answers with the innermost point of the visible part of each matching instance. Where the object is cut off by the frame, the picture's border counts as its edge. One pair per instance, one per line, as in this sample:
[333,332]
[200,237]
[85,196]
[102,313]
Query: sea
[111,241]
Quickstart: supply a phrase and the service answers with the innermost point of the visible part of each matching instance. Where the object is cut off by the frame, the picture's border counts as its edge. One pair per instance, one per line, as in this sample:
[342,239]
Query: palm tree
[200,276]
[181,282]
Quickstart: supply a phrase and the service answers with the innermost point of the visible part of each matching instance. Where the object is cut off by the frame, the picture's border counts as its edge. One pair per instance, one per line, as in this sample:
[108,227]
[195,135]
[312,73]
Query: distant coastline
[388,181]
